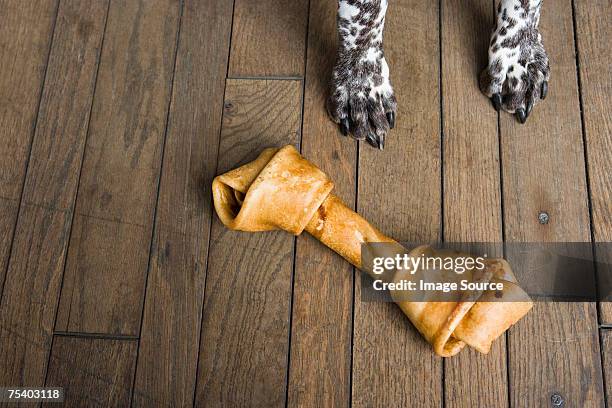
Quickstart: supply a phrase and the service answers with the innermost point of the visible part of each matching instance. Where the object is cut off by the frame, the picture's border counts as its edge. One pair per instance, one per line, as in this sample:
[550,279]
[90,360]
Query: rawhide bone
[282,190]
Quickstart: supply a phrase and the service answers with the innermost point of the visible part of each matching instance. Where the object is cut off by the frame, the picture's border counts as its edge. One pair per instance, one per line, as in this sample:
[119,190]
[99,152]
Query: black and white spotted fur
[518,71]
[361,98]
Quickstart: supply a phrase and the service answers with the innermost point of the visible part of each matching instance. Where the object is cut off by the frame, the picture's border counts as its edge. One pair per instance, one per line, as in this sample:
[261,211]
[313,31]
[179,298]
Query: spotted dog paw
[362,102]
[518,71]
[361,99]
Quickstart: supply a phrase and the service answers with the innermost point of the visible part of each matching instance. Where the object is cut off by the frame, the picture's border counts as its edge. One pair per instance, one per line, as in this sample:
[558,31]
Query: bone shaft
[344,231]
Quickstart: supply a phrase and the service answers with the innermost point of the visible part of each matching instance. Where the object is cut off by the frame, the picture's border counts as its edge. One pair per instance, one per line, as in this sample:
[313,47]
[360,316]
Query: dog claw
[371,139]
[344,127]
[529,108]
[521,115]
[544,90]
[391,119]
[496,100]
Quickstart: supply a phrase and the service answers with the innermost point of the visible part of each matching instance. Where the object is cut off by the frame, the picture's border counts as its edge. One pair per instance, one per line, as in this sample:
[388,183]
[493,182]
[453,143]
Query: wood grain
[31,292]
[399,192]
[92,371]
[543,170]
[320,360]
[107,263]
[245,329]
[169,340]
[25,37]
[268,38]
[472,193]
[594,35]
[606,335]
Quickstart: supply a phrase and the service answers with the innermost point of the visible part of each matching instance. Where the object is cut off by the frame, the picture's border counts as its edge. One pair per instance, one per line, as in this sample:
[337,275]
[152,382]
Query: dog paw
[518,71]
[361,100]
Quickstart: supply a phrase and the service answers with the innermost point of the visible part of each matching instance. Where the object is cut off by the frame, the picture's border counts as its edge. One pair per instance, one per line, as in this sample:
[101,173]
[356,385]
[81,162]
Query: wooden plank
[245,328]
[543,170]
[107,258]
[594,35]
[399,192]
[472,194]
[606,335]
[31,292]
[25,37]
[320,360]
[92,371]
[169,340]
[268,38]
[30,296]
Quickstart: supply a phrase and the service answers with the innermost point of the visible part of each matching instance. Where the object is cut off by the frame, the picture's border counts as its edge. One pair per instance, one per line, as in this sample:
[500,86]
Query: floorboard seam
[441,112]
[353,292]
[227,64]
[503,231]
[268,78]
[291,299]
[589,199]
[159,177]
[586,158]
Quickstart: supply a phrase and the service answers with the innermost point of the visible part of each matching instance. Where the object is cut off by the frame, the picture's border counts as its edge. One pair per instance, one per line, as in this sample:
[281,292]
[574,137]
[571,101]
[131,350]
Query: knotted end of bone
[278,190]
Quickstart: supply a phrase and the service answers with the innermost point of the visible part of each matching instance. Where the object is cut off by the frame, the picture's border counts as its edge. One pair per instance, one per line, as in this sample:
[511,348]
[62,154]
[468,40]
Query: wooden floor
[120,284]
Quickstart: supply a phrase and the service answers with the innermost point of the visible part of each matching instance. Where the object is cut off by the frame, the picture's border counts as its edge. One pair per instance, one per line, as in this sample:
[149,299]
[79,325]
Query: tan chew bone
[282,190]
